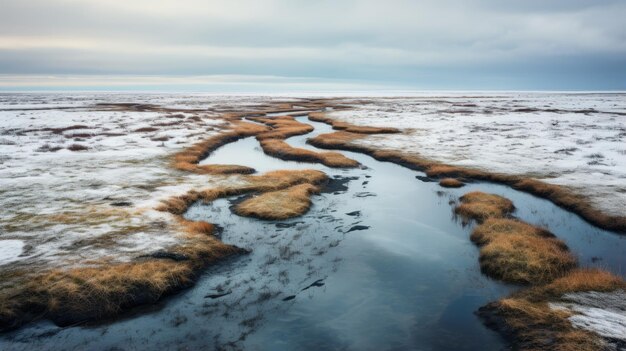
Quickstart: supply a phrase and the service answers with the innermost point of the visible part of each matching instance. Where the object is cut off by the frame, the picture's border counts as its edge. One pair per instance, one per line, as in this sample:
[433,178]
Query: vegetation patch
[451,183]
[82,294]
[271,181]
[480,206]
[351,128]
[530,323]
[224,169]
[281,204]
[517,252]
[280,149]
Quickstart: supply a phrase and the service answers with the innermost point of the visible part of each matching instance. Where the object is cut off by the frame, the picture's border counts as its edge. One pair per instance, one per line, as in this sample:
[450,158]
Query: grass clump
[270,181]
[527,319]
[281,204]
[451,183]
[281,127]
[517,252]
[82,294]
[280,149]
[351,128]
[224,169]
[480,206]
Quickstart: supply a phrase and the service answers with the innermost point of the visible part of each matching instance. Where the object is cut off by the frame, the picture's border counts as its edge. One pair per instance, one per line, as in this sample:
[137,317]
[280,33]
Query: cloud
[393,40]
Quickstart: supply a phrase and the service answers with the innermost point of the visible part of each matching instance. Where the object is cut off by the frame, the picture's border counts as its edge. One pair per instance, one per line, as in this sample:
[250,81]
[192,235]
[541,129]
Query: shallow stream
[379,263]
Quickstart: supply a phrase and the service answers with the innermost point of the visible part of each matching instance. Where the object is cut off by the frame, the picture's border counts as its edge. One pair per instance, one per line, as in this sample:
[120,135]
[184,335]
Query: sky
[316,45]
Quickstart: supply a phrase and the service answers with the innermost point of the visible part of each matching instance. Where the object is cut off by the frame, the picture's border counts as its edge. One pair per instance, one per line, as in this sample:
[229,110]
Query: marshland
[268,222]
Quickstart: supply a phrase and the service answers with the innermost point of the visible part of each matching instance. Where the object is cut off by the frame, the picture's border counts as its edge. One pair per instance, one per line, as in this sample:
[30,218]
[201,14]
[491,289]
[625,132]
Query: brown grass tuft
[270,181]
[281,204]
[70,296]
[348,127]
[451,183]
[280,149]
[527,319]
[480,206]
[224,169]
[517,252]
[282,127]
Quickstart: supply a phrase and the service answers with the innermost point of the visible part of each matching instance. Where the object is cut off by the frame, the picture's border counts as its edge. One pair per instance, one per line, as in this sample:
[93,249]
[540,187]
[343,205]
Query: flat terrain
[575,140]
[113,201]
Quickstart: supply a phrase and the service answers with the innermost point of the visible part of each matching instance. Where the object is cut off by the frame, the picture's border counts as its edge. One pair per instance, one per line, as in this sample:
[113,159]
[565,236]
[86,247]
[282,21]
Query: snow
[58,203]
[603,313]
[57,206]
[10,250]
[575,140]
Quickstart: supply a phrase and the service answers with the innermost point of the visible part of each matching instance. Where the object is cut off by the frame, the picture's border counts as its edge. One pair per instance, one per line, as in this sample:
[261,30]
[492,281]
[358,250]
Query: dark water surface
[381,264]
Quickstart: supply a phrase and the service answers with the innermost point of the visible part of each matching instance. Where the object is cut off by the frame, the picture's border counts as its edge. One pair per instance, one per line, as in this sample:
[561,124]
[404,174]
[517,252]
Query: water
[382,264]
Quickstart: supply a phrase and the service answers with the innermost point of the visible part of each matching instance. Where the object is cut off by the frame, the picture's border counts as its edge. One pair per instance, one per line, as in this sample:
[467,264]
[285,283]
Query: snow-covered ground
[576,140]
[59,206]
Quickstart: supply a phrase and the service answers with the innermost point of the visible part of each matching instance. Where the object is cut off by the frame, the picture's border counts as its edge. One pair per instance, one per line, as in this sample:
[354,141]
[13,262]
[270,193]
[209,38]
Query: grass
[270,181]
[281,204]
[282,127]
[480,206]
[517,252]
[451,183]
[351,128]
[527,319]
[70,296]
[223,169]
[280,149]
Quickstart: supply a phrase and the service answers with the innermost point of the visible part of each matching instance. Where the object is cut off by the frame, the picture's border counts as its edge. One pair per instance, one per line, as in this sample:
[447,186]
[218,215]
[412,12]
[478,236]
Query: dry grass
[527,319]
[270,181]
[91,293]
[281,204]
[451,183]
[280,149]
[348,127]
[223,169]
[282,127]
[516,252]
[480,206]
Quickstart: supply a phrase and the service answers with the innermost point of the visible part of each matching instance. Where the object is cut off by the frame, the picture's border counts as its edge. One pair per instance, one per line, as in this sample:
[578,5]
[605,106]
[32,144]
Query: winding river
[379,262]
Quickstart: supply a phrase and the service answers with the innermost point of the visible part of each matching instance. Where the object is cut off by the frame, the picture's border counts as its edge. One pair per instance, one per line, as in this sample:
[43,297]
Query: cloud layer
[488,44]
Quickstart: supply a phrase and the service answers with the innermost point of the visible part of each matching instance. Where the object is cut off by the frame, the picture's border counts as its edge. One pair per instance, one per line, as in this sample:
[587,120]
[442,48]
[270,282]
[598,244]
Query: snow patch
[603,313]
[10,250]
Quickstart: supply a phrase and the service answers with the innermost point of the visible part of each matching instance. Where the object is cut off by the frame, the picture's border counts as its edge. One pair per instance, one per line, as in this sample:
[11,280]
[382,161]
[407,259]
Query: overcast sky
[320,44]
